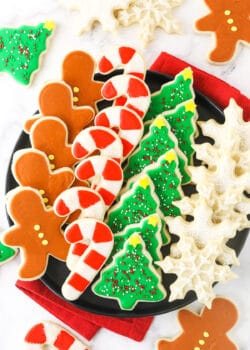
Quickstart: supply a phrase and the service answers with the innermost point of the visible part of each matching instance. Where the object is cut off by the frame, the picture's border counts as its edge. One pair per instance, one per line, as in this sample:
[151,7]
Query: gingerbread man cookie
[36,231]
[206,331]
[50,135]
[78,72]
[229,20]
[31,168]
[56,100]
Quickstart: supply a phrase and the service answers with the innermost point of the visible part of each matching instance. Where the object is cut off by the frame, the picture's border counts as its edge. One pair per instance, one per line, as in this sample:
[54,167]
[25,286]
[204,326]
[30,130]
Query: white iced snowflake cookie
[92,11]
[196,270]
[151,14]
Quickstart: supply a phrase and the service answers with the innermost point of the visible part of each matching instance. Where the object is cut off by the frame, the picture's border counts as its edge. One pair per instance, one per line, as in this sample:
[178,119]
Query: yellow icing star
[187,73]
[50,25]
[134,240]
[153,220]
[190,106]
[144,182]
[159,122]
[170,156]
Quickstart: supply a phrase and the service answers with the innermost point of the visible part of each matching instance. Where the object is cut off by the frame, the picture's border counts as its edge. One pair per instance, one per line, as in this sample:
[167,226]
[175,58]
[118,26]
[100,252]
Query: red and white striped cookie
[97,238]
[51,335]
[125,57]
[97,138]
[128,123]
[87,200]
[105,175]
[134,92]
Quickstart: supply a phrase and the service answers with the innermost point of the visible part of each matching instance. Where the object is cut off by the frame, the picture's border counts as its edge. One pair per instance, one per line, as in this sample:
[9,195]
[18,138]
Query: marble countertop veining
[17,312]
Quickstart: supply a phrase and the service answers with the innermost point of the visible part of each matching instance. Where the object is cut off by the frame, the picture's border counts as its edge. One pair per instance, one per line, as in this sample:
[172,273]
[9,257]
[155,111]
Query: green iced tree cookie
[131,277]
[149,229]
[6,253]
[134,205]
[21,48]
[171,94]
[154,144]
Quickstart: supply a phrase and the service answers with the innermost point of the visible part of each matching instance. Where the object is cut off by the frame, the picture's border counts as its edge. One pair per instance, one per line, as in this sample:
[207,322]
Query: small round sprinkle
[227,12]
[234,29]
[48,206]
[37,227]
[197,348]
[75,99]
[45,200]
[230,21]
[76,89]
[45,242]
[51,156]
[201,342]
[52,166]
[42,192]
[206,334]
[40,235]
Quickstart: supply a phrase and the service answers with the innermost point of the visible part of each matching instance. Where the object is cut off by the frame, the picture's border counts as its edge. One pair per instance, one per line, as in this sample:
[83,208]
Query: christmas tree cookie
[21,49]
[131,277]
[155,143]
[134,205]
[149,229]
[6,253]
[172,94]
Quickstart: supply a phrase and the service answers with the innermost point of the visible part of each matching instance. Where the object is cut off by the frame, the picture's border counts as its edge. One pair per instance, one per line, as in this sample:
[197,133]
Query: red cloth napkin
[216,89]
[88,324]
[83,322]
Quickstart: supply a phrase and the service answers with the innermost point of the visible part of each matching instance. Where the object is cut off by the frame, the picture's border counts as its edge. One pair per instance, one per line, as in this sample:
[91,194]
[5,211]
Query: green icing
[158,140]
[20,49]
[171,94]
[131,277]
[6,253]
[137,203]
[149,229]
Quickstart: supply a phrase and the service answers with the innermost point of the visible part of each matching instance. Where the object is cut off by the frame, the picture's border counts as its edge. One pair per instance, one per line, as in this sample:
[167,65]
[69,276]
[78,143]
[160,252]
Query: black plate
[57,271]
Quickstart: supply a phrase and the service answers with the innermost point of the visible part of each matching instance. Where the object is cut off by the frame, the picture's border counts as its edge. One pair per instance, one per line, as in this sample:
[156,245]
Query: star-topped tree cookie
[36,231]
[172,94]
[229,20]
[131,277]
[134,205]
[196,269]
[207,330]
[154,144]
[21,49]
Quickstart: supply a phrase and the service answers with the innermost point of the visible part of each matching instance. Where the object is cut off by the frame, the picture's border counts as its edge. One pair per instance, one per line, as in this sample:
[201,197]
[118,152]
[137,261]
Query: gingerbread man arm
[206,24]
[224,343]
[186,317]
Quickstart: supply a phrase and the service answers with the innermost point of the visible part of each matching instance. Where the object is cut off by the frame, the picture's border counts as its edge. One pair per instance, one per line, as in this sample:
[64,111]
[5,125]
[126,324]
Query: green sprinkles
[20,49]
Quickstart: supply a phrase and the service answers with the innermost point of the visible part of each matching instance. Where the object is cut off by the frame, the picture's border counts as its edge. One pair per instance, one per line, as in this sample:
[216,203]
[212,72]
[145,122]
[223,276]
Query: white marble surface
[17,312]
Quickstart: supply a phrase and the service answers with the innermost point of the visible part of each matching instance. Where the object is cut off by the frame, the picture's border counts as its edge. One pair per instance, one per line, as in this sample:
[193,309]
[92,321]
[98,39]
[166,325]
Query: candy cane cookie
[128,123]
[125,57]
[50,334]
[105,175]
[87,200]
[98,138]
[98,240]
[134,90]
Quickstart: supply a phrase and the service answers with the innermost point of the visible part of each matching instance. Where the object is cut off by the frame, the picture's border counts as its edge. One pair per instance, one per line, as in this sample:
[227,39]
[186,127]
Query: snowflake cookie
[151,14]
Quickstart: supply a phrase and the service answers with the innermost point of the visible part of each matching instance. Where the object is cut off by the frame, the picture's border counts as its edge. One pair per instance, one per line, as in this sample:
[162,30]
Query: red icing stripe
[36,335]
[105,65]
[79,249]
[112,171]
[128,121]
[138,111]
[64,341]
[61,208]
[87,198]
[102,138]
[73,233]
[102,120]
[127,147]
[78,282]
[136,88]
[138,75]
[126,53]
[78,151]
[94,259]
[109,91]
[121,101]
[85,170]
[102,233]
[107,196]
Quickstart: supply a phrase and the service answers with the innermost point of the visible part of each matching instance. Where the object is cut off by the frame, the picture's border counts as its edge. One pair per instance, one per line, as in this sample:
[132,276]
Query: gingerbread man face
[230,21]
[36,231]
[206,331]
[56,100]
[78,71]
